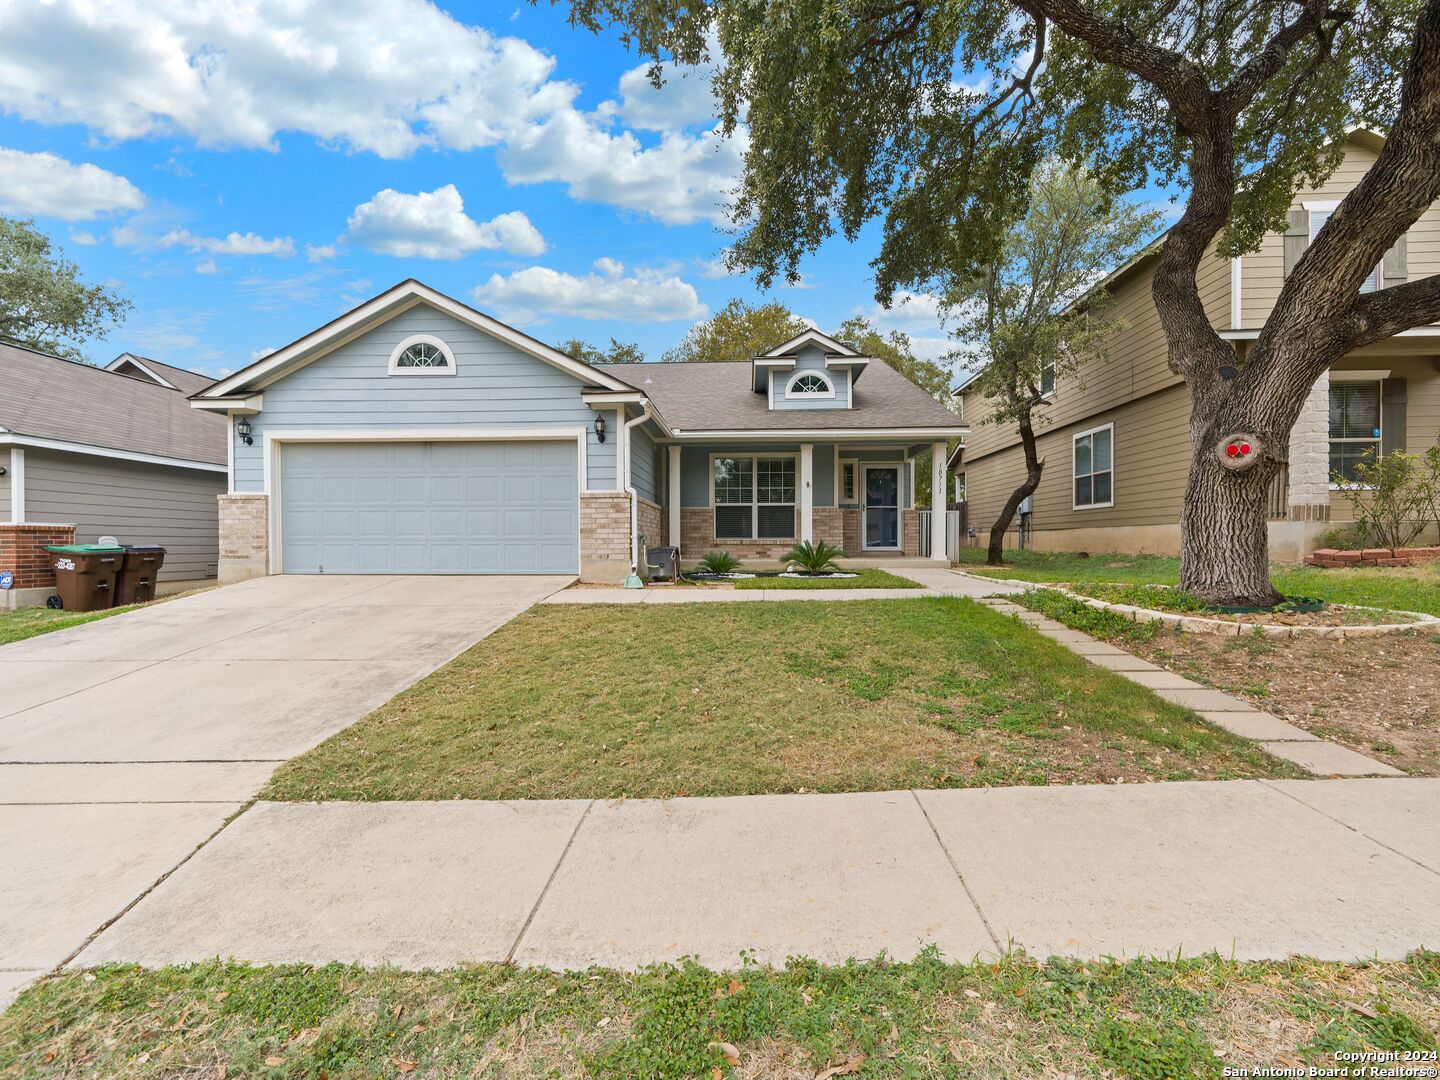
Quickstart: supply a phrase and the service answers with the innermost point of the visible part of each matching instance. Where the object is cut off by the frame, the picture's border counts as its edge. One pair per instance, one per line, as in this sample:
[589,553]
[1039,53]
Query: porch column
[17,486]
[673,477]
[807,491]
[937,502]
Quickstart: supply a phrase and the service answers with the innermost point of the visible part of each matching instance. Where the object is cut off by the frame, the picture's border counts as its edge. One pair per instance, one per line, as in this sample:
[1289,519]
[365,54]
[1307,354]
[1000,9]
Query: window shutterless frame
[761,481]
[1085,440]
[1344,389]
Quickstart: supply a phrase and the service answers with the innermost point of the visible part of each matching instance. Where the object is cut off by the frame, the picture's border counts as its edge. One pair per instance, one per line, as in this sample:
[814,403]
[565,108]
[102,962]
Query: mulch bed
[1377,695]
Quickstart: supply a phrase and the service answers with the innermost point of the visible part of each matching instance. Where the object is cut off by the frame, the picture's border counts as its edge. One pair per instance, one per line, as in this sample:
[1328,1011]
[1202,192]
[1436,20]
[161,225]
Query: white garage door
[430,508]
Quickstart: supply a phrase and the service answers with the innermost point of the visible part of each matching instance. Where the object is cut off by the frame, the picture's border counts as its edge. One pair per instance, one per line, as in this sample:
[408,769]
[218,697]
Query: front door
[882,507]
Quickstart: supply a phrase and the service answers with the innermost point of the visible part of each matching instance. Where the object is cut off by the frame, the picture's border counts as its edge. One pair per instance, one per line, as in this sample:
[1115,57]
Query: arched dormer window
[810,384]
[422,354]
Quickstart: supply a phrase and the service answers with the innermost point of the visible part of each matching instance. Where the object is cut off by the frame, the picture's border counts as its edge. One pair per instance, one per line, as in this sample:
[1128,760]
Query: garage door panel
[442,508]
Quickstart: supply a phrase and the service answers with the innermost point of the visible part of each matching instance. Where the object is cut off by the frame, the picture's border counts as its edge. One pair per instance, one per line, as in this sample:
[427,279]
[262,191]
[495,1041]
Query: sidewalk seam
[1361,832]
[545,890]
[90,938]
[955,868]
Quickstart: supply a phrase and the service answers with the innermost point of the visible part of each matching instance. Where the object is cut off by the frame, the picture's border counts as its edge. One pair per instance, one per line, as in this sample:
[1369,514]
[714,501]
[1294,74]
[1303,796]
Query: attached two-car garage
[447,507]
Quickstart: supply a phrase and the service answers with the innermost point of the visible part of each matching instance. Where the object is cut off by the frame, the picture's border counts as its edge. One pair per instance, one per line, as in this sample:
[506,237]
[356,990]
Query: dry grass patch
[929,1018]
[734,699]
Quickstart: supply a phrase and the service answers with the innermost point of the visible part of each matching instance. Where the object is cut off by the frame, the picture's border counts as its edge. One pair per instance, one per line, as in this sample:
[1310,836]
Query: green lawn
[25,623]
[607,701]
[1014,1018]
[1414,588]
[867,579]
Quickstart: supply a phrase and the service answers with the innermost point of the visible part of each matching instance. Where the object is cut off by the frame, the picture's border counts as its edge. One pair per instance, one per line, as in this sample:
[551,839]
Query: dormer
[810,371]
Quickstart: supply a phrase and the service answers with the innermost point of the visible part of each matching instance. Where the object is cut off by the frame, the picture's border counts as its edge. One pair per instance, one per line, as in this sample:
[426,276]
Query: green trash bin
[85,574]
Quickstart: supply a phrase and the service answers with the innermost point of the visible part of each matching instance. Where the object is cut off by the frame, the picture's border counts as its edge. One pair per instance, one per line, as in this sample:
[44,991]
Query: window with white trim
[1318,217]
[848,474]
[1047,377]
[422,354]
[1354,427]
[754,498]
[810,384]
[1093,457]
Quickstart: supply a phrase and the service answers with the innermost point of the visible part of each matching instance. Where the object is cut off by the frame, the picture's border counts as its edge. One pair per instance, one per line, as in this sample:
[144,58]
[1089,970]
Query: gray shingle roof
[717,397]
[186,381]
[49,398]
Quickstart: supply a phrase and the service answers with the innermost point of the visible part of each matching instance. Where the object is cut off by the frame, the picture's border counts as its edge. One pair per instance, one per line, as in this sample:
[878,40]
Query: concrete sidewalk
[936,581]
[1338,869]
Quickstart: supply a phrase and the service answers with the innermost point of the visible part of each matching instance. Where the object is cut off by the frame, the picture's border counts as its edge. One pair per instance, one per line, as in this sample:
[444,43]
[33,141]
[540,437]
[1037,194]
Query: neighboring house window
[960,487]
[811,384]
[1354,426]
[754,498]
[1094,460]
[422,354]
[1047,378]
[848,470]
[1318,218]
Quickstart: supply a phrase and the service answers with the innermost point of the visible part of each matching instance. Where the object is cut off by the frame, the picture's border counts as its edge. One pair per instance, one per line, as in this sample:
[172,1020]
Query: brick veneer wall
[853,535]
[910,519]
[604,536]
[22,550]
[697,536]
[829,525]
[1309,470]
[244,537]
[654,523]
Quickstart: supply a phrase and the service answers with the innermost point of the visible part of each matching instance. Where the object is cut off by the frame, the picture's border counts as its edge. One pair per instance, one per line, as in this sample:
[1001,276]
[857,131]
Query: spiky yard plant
[815,558]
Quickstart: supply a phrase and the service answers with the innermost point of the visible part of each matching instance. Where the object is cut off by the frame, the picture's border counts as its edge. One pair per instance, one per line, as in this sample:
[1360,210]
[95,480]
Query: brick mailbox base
[22,553]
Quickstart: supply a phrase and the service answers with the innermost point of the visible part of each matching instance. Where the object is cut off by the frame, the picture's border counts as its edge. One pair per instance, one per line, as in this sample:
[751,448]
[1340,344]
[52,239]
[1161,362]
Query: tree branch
[1388,312]
[1266,63]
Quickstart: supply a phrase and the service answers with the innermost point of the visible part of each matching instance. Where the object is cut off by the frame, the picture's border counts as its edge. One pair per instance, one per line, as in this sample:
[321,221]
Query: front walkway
[1340,870]
[935,580]
[126,742]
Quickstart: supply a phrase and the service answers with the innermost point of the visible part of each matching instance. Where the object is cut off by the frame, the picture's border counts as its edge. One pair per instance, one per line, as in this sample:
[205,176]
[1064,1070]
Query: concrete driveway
[126,742]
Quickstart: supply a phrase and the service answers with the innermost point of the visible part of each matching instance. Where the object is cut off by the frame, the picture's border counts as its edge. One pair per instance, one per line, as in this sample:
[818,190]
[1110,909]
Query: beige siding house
[1115,439]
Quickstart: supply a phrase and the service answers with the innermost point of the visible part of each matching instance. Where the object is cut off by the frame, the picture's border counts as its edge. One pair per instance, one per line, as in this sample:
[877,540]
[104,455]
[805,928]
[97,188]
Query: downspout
[630,490]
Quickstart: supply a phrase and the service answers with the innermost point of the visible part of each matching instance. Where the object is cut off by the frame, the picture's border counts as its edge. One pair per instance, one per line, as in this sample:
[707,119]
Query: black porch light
[243,430]
[600,427]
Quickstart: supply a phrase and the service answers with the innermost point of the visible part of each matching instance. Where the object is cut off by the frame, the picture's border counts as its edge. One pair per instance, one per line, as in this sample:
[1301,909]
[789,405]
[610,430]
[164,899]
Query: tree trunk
[995,556]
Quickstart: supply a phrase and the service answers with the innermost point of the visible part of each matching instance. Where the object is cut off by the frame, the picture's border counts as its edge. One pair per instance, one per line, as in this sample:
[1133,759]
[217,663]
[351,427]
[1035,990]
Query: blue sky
[247,170]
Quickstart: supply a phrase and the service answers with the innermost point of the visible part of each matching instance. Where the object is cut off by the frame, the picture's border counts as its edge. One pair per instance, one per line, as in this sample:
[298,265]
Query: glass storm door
[882,507]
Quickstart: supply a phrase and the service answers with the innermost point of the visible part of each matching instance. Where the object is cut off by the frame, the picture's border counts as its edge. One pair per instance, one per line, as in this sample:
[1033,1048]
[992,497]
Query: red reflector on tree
[1232,449]
[1245,448]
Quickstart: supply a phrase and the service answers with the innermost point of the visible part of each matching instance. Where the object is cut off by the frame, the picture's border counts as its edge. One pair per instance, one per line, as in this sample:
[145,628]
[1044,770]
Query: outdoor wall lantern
[599,427]
[243,430]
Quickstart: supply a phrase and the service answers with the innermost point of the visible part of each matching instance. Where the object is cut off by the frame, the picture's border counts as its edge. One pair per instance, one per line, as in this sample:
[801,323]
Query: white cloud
[319,252]
[233,244]
[207,266]
[47,185]
[434,225]
[538,293]
[714,269]
[259,354]
[912,312]
[84,239]
[387,77]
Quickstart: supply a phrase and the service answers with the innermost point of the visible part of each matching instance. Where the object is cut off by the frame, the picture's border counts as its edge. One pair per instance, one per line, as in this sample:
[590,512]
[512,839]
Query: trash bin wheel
[54,602]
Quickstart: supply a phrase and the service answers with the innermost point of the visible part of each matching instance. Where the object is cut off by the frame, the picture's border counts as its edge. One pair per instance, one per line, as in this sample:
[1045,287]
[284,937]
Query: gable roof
[45,397]
[167,375]
[831,345]
[375,311]
[717,397]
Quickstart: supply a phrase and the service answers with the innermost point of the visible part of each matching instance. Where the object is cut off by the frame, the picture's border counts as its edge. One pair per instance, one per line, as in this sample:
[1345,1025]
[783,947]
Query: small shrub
[1394,496]
[1089,620]
[815,558]
[719,562]
[1344,538]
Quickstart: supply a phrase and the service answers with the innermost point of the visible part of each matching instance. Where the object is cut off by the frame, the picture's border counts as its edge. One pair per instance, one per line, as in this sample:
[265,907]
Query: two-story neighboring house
[416,435]
[1115,439]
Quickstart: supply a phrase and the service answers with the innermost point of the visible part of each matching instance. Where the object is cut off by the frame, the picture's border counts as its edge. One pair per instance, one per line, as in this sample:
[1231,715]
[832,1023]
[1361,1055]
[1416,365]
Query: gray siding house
[111,451]
[415,434]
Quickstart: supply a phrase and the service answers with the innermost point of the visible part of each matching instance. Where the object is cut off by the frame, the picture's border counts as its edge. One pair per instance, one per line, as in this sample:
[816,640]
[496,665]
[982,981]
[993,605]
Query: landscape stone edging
[1196,624]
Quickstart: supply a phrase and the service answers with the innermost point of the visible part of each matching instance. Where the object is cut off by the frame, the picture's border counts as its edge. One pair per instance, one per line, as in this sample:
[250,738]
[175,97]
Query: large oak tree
[931,115]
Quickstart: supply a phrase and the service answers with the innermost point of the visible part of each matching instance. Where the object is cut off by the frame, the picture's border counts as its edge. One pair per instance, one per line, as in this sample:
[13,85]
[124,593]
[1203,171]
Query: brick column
[1309,480]
[22,552]
[604,536]
[244,537]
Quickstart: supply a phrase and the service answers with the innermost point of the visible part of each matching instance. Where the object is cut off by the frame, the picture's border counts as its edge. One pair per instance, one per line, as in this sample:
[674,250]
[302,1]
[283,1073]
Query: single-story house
[88,452]
[416,435]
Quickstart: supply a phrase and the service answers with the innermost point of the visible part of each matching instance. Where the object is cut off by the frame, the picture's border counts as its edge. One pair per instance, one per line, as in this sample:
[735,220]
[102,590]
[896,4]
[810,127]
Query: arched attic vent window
[422,354]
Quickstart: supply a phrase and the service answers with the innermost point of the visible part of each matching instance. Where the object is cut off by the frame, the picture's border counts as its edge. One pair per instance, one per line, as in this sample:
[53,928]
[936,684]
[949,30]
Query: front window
[1095,468]
[1354,427]
[847,481]
[1317,221]
[754,498]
